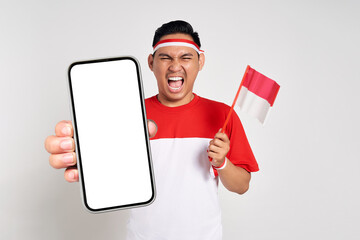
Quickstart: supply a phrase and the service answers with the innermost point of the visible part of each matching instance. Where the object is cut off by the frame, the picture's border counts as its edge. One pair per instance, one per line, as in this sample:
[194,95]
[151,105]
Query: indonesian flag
[257,94]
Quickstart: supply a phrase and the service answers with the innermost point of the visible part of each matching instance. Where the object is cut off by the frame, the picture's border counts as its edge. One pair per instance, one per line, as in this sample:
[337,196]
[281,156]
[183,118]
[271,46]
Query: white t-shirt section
[183,183]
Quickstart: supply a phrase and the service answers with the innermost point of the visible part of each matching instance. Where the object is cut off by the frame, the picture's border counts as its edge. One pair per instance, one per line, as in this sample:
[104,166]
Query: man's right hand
[62,148]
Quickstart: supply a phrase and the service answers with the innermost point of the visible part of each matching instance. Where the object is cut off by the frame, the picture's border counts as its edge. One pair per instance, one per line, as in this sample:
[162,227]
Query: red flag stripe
[261,85]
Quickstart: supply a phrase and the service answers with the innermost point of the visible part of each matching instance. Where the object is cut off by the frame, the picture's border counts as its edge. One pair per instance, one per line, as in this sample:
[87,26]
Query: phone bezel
[77,142]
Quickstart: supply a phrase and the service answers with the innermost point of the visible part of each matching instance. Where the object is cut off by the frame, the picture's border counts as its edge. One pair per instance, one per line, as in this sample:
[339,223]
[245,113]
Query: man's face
[175,69]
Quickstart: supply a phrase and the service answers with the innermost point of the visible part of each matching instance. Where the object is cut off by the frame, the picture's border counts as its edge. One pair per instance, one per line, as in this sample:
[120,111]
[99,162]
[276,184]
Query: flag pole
[235,99]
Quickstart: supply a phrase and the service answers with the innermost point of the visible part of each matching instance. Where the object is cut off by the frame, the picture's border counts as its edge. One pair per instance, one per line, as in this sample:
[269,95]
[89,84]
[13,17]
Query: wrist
[222,166]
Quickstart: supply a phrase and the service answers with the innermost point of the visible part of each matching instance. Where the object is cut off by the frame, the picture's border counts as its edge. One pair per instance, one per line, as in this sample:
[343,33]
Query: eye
[186,58]
[165,58]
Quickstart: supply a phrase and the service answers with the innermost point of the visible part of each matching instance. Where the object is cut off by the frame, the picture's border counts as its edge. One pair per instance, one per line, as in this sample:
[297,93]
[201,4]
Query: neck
[175,102]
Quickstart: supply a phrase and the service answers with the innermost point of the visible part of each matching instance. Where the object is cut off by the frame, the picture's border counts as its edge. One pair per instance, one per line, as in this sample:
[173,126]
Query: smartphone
[111,134]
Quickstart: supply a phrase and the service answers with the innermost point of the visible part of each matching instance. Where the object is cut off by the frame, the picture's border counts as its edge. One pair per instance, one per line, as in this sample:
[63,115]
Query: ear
[201,61]
[150,61]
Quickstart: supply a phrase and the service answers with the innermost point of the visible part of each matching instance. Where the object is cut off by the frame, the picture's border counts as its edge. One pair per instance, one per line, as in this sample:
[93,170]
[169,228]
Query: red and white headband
[178,42]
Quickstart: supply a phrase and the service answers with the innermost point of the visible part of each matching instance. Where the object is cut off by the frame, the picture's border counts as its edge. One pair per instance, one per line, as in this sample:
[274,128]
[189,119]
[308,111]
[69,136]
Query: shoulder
[214,105]
[150,101]
[221,110]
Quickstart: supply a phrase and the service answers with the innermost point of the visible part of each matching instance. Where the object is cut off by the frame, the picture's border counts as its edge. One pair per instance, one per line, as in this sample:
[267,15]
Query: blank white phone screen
[111,134]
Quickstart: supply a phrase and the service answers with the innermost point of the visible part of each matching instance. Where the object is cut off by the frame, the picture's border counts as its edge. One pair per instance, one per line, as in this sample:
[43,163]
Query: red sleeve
[240,153]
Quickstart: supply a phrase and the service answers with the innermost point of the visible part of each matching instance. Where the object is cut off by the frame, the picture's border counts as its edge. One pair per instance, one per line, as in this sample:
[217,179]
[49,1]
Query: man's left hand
[218,148]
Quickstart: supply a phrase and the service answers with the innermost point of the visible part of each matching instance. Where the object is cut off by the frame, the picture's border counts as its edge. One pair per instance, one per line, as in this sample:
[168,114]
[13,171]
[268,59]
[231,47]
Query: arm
[235,179]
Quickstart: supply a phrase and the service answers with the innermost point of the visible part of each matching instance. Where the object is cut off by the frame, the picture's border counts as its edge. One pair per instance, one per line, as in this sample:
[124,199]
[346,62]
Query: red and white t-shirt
[186,205]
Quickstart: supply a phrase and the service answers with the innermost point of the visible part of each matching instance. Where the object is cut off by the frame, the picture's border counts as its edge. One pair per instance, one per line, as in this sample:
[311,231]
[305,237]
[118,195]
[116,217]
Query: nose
[175,65]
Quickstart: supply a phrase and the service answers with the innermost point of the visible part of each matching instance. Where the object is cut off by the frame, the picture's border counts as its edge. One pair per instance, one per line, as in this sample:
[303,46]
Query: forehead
[176,50]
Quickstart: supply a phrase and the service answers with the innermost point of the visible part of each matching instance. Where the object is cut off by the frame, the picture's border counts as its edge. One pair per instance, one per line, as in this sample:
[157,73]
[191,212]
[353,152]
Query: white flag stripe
[252,104]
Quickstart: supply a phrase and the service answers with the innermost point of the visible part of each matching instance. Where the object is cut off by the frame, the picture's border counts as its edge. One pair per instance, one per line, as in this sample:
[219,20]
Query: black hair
[177,26]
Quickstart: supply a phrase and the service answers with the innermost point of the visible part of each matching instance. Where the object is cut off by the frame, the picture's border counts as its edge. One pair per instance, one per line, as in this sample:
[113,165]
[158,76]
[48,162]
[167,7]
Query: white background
[308,150]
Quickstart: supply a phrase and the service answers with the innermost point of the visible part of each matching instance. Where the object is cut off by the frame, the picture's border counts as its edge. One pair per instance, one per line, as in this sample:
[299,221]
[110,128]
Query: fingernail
[66,144]
[68,158]
[66,130]
[71,175]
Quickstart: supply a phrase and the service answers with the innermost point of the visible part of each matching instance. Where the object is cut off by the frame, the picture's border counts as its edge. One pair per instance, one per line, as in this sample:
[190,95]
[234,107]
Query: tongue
[175,84]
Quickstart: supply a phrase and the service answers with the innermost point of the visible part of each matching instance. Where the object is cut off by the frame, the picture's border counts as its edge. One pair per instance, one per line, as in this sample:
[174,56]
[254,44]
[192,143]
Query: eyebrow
[163,55]
[187,55]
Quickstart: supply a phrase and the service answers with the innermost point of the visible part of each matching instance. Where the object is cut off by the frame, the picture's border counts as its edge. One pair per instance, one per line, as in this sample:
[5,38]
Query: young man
[188,136]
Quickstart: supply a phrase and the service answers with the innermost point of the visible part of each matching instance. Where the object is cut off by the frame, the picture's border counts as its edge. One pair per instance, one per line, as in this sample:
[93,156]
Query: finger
[56,145]
[152,127]
[222,136]
[219,143]
[71,174]
[214,149]
[211,155]
[214,156]
[64,129]
[216,159]
[62,160]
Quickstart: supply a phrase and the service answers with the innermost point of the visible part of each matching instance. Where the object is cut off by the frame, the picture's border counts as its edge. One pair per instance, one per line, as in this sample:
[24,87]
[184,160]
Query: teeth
[175,78]
[175,88]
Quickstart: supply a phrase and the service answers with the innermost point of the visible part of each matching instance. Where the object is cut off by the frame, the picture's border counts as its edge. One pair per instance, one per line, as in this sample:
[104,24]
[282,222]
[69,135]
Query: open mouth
[175,83]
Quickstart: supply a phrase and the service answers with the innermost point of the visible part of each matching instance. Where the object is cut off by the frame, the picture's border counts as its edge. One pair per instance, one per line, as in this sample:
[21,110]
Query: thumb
[152,127]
